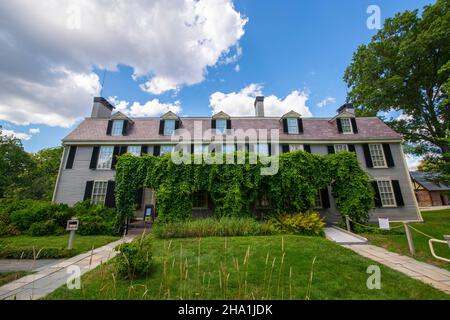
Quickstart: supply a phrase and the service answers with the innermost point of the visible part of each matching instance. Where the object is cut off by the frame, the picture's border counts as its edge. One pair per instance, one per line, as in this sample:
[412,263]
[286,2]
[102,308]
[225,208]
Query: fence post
[447,237]
[347,222]
[410,239]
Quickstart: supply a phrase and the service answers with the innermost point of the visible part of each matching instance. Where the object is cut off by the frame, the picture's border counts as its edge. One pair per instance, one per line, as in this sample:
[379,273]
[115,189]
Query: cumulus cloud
[149,109]
[34,130]
[18,135]
[326,101]
[242,103]
[49,49]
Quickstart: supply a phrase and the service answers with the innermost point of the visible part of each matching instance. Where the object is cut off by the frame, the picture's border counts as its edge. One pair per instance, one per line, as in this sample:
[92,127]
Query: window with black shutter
[367,156]
[377,197]
[110,198]
[213,123]
[285,148]
[88,190]
[307,148]
[125,127]
[144,150]
[109,128]
[285,126]
[330,149]
[388,155]
[71,157]
[300,125]
[94,158]
[156,150]
[398,193]
[339,125]
[177,124]
[228,124]
[116,153]
[354,126]
[161,127]
[351,148]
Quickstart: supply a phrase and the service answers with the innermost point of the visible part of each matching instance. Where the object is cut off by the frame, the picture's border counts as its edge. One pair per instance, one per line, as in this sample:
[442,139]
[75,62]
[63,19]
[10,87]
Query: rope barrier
[374,228]
[422,233]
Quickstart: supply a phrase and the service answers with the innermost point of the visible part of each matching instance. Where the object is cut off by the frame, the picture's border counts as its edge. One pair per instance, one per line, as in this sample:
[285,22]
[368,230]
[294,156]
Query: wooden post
[347,222]
[447,237]
[410,239]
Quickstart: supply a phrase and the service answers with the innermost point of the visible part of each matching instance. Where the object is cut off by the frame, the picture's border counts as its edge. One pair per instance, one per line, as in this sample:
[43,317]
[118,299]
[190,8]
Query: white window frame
[318,204]
[96,194]
[168,132]
[104,163]
[117,128]
[137,152]
[296,147]
[292,125]
[348,125]
[380,146]
[221,126]
[392,193]
[340,146]
[172,148]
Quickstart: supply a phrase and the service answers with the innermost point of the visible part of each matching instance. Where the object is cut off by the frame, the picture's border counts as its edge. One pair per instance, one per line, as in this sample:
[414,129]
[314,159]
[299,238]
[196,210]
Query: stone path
[50,277]
[429,274]
[12,265]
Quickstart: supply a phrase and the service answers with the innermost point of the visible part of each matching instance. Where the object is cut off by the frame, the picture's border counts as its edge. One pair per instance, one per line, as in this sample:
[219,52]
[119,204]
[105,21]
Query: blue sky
[287,46]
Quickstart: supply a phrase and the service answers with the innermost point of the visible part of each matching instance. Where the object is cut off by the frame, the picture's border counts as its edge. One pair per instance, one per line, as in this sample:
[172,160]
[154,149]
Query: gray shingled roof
[315,129]
[422,179]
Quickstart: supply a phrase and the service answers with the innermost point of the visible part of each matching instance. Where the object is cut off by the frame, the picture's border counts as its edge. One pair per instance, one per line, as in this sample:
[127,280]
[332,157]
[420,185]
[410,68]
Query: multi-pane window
[346,125]
[377,155]
[295,147]
[166,149]
[229,148]
[134,150]
[105,157]
[318,202]
[169,127]
[292,125]
[117,128]
[99,192]
[200,200]
[221,126]
[262,149]
[387,196]
[340,147]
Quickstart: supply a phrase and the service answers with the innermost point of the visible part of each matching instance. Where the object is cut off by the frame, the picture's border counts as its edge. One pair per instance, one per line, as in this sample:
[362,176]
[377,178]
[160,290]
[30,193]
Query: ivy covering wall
[234,188]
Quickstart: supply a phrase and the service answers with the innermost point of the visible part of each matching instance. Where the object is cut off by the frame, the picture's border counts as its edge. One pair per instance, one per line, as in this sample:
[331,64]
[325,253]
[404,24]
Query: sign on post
[383,223]
[148,214]
[72,226]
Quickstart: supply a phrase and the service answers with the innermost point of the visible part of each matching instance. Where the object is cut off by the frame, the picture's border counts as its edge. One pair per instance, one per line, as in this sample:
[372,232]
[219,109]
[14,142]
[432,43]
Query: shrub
[95,219]
[40,211]
[45,228]
[134,259]
[310,223]
[210,227]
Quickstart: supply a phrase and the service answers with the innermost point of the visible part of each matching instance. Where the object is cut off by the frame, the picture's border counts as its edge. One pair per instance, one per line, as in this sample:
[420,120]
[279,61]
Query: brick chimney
[101,108]
[259,106]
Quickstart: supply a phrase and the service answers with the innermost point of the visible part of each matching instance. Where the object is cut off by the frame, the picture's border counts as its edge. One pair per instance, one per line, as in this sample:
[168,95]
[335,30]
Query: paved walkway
[12,265]
[429,274]
[49,278]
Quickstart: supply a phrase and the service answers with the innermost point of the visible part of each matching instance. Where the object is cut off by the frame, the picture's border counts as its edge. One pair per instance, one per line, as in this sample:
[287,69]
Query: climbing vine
[234,188]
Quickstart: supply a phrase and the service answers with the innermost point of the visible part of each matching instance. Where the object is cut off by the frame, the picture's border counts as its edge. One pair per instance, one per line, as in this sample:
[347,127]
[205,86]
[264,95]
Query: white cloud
[34,131]
[242,103]
[149,109]
[237,68]
[49,49]
[326,101]
[18,135]
[413,162]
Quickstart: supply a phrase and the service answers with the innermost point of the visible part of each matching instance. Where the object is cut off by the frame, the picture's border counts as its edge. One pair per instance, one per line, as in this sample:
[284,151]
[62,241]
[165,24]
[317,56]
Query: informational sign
[72,225]
[384,223]
[148,213]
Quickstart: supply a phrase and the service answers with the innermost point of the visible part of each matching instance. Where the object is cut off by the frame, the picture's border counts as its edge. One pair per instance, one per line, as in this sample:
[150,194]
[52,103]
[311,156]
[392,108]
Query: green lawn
[266,267]
[12,276]
[27,247]
[437,224]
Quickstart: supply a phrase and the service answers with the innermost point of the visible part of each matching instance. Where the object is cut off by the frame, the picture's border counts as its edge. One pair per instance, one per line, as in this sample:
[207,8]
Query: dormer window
[221,126]
[292,125]
[169,127]
[346,125]
[117,128]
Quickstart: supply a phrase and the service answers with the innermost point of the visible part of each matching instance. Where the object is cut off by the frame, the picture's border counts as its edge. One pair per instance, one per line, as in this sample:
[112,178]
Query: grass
[254,267]
[49,247]
[437,224]
[12,276]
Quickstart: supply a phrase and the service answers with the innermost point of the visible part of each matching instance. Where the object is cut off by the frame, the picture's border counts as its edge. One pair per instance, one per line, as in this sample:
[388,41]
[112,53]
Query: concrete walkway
[12,265]
[49,278]
[429,274]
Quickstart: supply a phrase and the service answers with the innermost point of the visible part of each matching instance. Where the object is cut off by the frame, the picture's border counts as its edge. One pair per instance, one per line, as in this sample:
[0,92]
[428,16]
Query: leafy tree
[406,68]
[15,164]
